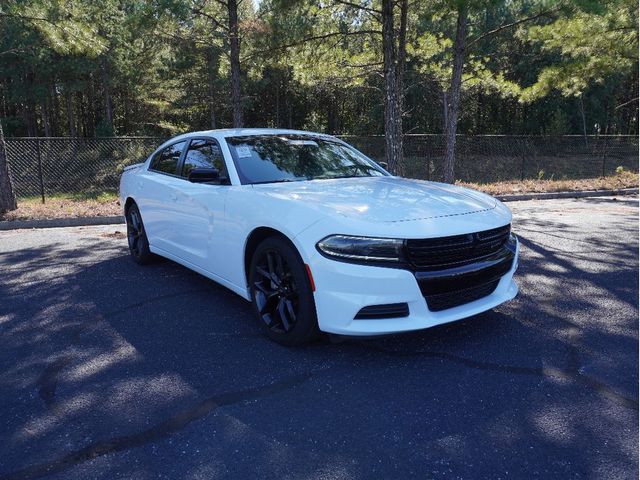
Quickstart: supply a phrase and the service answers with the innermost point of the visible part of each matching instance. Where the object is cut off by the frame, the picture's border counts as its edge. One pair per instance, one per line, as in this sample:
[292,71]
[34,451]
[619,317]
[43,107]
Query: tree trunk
[212,69]
[7,196]
[44,112]
[234,41]
[278,105]
[95,115]
[400,68]
[126,114]
[85,123]
[453,96]
[3,97]
[445,108]
[108,103]
[30,119]
[332,114]
[54,105]
[584,123]
[70,120]
[393,144]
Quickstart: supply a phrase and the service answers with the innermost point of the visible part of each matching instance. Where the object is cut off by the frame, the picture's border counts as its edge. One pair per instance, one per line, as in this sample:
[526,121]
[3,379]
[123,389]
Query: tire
[281,293]
[137,237]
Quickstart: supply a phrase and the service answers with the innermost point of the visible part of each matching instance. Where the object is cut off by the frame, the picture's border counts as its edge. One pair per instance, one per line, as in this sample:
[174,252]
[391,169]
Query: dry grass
[624,179]
[99,204]
[106,204]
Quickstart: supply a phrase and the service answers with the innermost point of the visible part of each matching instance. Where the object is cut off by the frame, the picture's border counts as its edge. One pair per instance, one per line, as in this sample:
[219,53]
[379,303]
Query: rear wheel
[137,237]
[281,293]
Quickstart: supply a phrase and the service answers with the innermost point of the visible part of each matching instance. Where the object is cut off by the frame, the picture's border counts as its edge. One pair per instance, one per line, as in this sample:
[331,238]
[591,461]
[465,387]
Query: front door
[200,206]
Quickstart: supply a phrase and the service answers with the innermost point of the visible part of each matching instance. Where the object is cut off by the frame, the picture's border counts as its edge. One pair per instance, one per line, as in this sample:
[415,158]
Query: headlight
[362,249]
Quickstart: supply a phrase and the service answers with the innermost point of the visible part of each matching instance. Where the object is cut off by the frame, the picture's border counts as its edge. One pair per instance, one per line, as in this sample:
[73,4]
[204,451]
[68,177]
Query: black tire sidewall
[306,327]
[145,253]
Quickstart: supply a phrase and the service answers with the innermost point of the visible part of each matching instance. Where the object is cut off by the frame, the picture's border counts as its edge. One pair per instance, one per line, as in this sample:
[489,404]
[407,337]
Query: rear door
[200,207]
[158,198]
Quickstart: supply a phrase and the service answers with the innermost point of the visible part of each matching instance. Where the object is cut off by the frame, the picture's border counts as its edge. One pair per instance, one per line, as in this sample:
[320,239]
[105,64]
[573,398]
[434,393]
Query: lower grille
[443,301]
[379,312]
[452,287]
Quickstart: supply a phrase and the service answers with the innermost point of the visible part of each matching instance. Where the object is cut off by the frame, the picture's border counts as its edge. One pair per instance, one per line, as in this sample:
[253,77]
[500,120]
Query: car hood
[382,199]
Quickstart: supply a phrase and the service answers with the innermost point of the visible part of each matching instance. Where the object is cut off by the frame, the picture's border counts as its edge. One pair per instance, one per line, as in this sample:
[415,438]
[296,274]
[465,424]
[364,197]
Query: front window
[204,154]
[290,158]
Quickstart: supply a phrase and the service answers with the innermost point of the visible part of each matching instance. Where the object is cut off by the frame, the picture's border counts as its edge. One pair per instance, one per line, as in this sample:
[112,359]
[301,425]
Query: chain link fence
[46,166]
[494,158]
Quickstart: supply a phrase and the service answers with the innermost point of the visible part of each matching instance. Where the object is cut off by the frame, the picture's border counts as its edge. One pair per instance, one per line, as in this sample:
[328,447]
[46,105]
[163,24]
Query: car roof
[241,132]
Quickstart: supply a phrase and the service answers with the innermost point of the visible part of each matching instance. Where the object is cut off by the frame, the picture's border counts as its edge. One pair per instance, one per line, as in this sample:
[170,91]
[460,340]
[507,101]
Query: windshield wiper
[332,177]
[278,180]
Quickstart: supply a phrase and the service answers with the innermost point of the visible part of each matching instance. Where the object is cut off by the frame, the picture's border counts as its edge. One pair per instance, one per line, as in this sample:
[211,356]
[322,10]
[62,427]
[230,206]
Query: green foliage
[163,66]
[590,47]
[64,24]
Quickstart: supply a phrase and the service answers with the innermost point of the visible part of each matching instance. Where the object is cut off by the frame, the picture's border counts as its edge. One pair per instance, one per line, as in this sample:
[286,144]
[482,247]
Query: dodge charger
[316,235]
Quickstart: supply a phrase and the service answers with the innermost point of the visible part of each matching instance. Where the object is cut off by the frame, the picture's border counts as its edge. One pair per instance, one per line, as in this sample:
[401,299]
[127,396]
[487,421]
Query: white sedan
[318,236]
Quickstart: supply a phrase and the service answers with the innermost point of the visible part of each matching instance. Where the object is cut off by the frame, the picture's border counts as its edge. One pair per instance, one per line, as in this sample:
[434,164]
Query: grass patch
[100,196]
[622,179]
[66,205]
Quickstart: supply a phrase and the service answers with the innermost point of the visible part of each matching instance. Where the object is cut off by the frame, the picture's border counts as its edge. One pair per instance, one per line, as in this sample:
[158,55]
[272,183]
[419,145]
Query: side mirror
[204,175]
[384,165]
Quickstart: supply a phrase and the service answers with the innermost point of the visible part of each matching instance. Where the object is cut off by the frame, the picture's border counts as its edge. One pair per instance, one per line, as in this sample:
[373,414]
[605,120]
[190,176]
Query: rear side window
[166,161]
[204,154]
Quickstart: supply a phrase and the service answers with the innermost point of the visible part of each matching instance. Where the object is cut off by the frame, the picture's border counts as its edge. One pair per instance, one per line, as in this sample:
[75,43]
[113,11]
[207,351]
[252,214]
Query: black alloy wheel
[281,293]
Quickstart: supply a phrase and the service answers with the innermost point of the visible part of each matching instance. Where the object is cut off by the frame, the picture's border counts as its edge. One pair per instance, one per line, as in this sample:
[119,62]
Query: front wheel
[281,293]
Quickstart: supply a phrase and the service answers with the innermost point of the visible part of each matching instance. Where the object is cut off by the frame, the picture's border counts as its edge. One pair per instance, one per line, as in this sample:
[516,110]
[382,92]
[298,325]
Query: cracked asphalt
[111,370]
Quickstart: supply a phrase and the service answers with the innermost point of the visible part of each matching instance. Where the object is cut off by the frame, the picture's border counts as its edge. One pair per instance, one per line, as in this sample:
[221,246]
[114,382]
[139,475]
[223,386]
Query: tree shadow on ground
[108,358]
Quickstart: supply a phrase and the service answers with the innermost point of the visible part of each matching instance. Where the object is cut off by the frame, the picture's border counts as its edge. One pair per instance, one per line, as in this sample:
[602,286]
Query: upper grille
[446,252]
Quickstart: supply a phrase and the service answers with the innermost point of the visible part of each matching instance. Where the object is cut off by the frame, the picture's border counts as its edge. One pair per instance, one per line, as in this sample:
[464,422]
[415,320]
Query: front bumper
[342,289]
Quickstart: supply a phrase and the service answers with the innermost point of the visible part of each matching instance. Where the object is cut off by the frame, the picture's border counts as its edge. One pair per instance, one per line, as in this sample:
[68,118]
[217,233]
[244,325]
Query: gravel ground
[110,370]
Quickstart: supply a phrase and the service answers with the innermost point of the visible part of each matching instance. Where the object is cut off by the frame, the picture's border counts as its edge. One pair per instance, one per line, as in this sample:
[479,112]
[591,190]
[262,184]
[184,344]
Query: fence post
[40,168]
[604,156]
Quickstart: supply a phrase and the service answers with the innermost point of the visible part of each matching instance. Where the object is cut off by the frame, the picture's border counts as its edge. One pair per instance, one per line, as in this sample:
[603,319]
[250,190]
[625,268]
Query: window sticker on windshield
[303,142]
[243,151]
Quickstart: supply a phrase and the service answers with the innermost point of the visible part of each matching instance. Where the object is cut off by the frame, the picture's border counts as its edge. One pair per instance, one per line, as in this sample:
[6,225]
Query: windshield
[290,158]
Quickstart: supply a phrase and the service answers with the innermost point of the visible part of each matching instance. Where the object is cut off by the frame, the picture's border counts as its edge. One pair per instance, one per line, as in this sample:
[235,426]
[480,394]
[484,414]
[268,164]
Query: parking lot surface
[110,370]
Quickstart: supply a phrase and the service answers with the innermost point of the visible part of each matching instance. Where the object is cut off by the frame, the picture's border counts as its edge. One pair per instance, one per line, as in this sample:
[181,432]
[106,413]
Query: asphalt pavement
[111,370]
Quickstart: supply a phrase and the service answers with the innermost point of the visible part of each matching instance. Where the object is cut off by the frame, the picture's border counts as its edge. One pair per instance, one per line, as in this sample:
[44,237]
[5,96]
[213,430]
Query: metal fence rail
[45,166]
